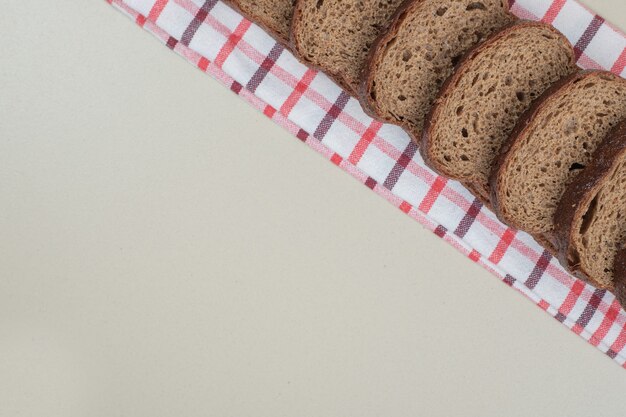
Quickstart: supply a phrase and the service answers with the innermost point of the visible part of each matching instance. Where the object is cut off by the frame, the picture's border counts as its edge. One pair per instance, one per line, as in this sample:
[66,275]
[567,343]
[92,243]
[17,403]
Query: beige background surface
[165,250]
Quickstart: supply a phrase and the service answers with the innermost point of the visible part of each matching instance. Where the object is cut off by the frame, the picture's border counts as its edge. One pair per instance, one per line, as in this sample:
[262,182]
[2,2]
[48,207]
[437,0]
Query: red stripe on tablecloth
[553,11]
[618,344]
[140,20]
[588,36]
[440,231]
[370,183]
[538,270]
[203,64]
[404,161]
[607,323]
[570,301]
[156,10]
[265,68]
[504,243]
[589,311]
[619,65]
[468,219]
[401,164]
[200,16]
[235,87]
[432,195]
[302,135]
[331,116]
[298,91]
[171,42]
[584,61]
[232,42]
[364,142]
[269,111]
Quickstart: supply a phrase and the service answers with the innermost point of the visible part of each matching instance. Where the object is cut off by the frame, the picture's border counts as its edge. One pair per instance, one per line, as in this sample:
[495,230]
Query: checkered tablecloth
[243,57]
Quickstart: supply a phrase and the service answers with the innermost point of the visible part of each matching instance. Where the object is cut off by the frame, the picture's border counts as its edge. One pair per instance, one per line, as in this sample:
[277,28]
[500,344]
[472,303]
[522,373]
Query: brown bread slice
[479,105]
[552,142]
[619,276]
[590,219]
[336,35]
[272,15]
[410,62]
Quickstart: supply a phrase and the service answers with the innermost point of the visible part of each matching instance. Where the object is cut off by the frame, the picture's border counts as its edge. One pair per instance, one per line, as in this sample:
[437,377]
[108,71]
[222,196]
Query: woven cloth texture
[239,54]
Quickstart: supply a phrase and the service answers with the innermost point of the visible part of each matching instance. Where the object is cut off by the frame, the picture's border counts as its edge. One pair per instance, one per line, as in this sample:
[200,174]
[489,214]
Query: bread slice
[272,15]
[336,35]
[479,105]
[619,276]
[550,145]
[410,62]
[590,219]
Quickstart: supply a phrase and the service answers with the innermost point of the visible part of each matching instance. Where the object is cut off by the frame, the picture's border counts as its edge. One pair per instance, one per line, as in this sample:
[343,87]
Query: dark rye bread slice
[619,276]
[590,220]
[410,62]
[551,143]
[336,35]
[479,105]
[272,15]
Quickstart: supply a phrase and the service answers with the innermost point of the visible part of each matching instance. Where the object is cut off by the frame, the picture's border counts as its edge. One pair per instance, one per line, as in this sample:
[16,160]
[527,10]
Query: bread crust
[619,276]
[272,31]
[578,196]
[379,46]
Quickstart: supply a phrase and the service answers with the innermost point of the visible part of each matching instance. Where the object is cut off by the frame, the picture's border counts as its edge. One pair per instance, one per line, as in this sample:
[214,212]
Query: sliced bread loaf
[550,145]
[410,62]
[272,15]
[336,35]
[589,220]
[479,105]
